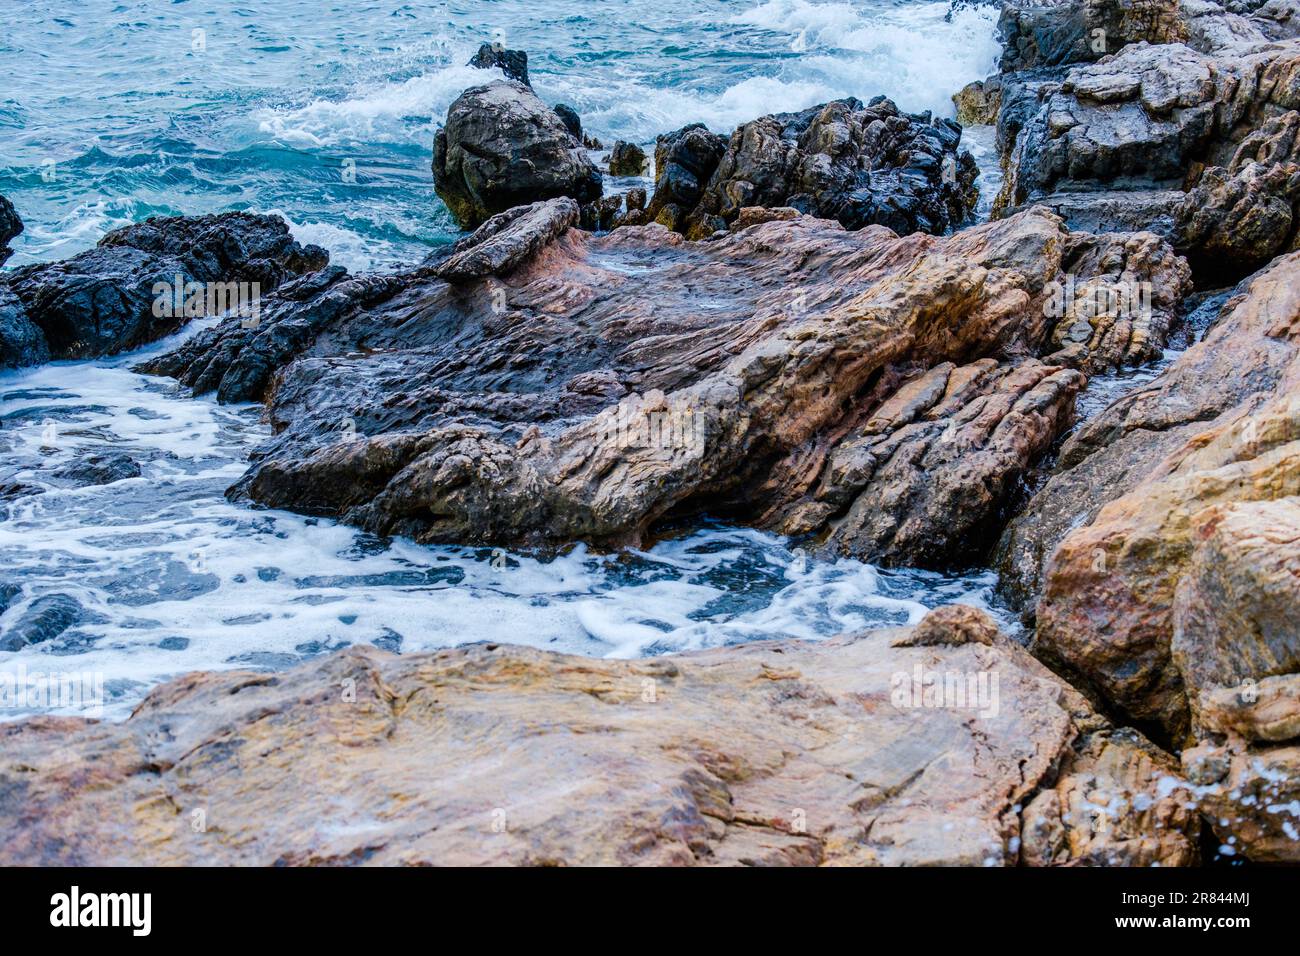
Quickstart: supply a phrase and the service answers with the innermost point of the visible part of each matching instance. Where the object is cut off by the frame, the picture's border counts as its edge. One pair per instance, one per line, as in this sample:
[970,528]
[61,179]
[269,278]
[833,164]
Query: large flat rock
[768,753]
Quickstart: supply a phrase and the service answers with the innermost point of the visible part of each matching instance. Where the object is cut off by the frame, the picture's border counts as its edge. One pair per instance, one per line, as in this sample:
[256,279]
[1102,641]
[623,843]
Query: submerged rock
[858,164]
[800,753]
[99,469]
[43,619]
[560,386]
[502,147]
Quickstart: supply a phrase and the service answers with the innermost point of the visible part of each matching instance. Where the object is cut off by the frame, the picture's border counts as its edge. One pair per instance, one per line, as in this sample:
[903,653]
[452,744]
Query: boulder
[684,162]
[848,751]
[494,56]
[1241,358]
[626,159]
[542,385]
[10,227]
[502,147]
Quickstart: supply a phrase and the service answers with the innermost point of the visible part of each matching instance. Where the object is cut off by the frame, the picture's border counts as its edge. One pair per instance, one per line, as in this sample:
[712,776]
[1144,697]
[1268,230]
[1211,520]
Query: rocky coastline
[801,328]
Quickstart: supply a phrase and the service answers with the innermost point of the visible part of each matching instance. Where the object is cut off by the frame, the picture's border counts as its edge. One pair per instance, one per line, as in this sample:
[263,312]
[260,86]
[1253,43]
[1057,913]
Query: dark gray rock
[571,120]
[10,226]
[99,469]
[513,63]
[858,164]
[21,342]
[685,161]
[502,147]
[231,246]
[105,300]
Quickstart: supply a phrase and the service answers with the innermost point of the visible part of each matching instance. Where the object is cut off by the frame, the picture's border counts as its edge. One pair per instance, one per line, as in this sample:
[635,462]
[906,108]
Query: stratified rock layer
[568,387]
[775,753]
[1174,590]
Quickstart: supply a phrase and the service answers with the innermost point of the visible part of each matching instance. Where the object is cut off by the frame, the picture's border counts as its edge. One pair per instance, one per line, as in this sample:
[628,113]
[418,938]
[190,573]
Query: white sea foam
[173,577]
[352,250]
[383,112]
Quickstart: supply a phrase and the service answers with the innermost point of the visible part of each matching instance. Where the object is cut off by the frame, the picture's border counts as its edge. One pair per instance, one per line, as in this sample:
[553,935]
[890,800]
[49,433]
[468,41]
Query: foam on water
[114,115]
[172,577]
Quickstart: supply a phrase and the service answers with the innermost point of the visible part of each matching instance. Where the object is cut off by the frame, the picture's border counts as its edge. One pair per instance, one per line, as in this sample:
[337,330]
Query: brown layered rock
[1239,217]
[1176,602]
[579,387]
[851,751]
[1245,357]
[935,465]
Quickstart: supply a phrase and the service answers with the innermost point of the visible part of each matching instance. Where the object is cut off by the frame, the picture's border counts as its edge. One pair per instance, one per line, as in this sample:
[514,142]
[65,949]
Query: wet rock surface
[11,225]
[513,63]
[859,164]
[784,753]
[106,300]
[501,147]
[567,387]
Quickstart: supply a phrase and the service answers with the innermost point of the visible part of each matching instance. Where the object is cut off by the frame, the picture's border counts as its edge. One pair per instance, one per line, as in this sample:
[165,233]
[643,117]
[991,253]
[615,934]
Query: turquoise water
[114,111]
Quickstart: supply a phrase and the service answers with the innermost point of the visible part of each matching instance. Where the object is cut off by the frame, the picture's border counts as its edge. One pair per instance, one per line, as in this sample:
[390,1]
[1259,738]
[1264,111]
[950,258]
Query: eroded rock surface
[1172,594]
[569,387]
[773,753]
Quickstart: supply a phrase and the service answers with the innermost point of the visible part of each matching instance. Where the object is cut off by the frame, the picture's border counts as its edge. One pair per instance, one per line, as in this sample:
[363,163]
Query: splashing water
[326,111]
[168,576]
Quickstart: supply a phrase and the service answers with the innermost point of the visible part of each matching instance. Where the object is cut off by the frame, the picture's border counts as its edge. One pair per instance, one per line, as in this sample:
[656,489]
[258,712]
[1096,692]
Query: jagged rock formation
[858,164]
[1169,578]
[105,300]
[1188,129]
[502,147]
[513,63]
[847,751]
[562,386]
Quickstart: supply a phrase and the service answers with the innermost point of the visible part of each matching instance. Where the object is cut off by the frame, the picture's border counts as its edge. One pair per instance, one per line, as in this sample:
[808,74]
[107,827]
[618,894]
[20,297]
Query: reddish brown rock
[774,753]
